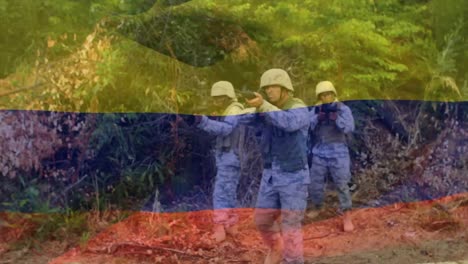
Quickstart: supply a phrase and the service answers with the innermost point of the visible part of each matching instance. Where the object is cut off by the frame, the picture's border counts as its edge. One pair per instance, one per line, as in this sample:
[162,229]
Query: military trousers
[339,169]
[280,211]
[225,188]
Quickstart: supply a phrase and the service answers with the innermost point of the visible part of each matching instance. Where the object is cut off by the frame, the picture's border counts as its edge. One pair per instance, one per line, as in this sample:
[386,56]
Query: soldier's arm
[345,120]
[221,128]
[289,120]
[218,128]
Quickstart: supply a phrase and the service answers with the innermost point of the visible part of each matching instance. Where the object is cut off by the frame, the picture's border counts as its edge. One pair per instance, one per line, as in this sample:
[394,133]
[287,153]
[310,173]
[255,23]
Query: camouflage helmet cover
[223,88]
[276,77]
[325,86]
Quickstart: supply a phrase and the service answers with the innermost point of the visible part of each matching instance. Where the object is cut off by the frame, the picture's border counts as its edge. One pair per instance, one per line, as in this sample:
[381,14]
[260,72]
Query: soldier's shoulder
[234,109]
[297,103]
[237,105]
[249,110]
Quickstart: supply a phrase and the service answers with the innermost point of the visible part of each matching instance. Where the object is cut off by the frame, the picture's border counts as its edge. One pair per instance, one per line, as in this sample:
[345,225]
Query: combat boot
[219,234]
[275,254]
[347,222]
[314,212]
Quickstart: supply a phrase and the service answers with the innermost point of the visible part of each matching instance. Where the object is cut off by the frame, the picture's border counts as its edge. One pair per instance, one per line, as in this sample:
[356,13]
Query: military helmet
[276,77]
[223,88]
[325,86]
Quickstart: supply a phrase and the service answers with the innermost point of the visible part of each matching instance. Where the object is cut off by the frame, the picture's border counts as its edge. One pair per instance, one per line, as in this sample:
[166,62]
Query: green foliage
[59,226]
[27,24]
[29,198]
[369,49]
[443,68]
[132,156]
[45,220]
[353,43]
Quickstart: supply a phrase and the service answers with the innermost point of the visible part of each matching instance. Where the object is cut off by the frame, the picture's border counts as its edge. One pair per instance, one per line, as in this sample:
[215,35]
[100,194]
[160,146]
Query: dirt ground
[433,251]
[421,232]
[426,252]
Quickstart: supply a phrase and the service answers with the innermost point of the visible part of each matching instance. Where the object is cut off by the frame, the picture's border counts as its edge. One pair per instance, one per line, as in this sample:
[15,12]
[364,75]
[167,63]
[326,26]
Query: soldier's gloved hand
[328,108]
[322,116]
[333,116]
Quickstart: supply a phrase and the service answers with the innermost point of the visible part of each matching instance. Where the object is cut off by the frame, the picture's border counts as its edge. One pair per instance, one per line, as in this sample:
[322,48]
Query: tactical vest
[327,132]
[288,148]
[236,138]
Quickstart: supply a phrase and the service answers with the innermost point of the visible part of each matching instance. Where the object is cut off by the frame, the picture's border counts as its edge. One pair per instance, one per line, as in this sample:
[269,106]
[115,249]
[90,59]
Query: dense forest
[90,90]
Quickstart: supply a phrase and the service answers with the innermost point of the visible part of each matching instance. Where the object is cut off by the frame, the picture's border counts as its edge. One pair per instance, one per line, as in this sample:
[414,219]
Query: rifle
[326,108]
[247,95]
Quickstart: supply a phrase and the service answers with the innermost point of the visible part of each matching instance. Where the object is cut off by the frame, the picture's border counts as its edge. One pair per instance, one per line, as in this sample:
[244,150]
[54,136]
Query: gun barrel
[247,95]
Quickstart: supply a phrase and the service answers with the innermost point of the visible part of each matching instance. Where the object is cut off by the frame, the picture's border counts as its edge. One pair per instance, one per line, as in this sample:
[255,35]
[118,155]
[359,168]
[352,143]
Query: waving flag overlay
[108,151]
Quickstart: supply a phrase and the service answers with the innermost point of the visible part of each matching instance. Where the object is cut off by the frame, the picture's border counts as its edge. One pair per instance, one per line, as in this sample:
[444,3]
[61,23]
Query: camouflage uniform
[283,188]
[227,162]
[330,154]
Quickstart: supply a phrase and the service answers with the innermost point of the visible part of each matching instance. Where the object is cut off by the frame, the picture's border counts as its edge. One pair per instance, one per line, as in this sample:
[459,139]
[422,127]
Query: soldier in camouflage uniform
[228,134]
[330,121]
[282,197]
